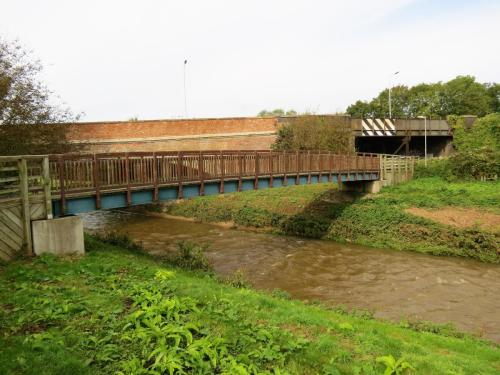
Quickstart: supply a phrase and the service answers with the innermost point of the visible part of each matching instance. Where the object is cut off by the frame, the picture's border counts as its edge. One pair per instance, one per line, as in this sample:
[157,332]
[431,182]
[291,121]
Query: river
[393,285]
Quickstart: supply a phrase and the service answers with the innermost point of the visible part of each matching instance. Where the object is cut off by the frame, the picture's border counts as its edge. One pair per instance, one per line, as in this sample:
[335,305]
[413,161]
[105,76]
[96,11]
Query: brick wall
[176,135]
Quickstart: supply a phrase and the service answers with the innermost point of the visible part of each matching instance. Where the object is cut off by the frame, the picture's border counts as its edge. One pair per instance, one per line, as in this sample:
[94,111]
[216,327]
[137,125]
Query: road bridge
[43,187]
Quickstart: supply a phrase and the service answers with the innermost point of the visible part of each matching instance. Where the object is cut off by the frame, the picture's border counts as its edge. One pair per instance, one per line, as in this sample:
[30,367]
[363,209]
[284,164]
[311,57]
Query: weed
[191,256]
[237,279]
[394,367]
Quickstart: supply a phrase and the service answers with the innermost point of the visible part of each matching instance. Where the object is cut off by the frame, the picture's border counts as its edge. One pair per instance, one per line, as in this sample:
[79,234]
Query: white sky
[115,59]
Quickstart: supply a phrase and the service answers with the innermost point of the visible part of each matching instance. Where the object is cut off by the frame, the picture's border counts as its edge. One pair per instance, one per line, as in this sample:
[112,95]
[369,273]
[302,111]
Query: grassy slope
[380,221]
[70,317]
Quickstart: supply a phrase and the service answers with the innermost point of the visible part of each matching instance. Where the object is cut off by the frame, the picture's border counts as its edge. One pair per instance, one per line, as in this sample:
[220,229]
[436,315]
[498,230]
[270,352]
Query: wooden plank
[256,170]
[201,172]
[180,193]
[222,172]
[271,166]
[11,226]
[13,234]
[46,188]
[285,161]
[9,241]
[23,177]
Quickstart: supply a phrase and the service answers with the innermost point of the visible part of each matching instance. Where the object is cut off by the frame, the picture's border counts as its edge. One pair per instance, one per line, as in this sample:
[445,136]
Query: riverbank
[119,310]
[386,220]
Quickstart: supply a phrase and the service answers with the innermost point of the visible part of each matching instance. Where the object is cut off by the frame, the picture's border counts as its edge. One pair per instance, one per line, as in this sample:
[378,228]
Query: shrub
[434,168]
[476,164]
[191,256]
[115,239]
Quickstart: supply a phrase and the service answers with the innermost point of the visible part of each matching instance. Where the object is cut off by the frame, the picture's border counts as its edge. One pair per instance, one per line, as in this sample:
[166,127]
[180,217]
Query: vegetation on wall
[29,122]
[477,151]
[116,311]
[328,133]
[459,96]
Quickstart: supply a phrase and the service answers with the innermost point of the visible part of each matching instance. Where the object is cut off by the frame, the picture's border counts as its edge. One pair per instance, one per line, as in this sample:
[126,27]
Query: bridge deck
[82,183]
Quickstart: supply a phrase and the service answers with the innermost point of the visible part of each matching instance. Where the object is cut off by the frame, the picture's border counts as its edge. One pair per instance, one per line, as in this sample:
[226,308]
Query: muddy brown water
[393,285]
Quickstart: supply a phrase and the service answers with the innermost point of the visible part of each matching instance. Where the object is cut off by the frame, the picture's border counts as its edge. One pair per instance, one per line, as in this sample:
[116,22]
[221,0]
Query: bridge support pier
[361,186]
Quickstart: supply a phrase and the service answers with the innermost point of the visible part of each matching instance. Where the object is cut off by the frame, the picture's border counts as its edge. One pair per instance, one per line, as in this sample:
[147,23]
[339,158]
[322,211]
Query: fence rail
[25,195]
[100,173]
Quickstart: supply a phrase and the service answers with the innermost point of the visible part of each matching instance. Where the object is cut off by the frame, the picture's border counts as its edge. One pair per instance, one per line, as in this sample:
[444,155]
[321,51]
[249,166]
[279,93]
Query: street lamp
[185,96]
[390,88]
[425,138]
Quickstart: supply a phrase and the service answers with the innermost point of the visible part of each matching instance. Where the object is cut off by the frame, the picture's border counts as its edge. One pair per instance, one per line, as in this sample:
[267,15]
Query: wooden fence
[95,174]
[25,195]
[395,169]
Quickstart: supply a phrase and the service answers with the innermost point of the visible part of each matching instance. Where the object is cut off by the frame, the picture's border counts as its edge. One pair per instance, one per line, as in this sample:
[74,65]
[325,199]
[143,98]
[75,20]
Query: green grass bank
[382,220]
[122,312]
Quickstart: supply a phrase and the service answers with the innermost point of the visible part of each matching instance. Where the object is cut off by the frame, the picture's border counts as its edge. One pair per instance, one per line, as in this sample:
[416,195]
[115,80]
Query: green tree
[327,133]
[493,90]
[464,96]
[278,112]
[29,123]
[460,96]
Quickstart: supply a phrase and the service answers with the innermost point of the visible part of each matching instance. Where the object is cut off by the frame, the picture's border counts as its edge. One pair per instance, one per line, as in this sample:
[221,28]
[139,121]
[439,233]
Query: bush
[113,238]
[191,256]
[476,164]
[434,168]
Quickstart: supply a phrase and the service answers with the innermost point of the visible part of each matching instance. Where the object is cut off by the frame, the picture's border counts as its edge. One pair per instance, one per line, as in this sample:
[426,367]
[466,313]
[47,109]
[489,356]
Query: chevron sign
[378,127]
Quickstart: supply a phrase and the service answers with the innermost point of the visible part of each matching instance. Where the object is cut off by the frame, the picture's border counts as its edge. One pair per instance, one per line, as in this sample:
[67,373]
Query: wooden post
[127,176]
[25,202]
[240,170]
[330,162]
[356,167]
[201,173]
[222,173]
[348,166]
[271,165]
[285,162]
[180,194]
[97,185]
[310,167]
[61,185]
[256,182]
[320,162]
[155,178]
[297,179]
[47,187]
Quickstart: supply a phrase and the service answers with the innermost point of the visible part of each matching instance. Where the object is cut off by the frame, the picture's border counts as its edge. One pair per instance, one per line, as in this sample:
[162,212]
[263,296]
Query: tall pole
[425,140]
[185,95]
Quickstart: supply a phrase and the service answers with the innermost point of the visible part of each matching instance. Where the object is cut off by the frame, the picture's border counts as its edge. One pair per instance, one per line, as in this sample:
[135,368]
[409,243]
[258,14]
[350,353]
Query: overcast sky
[117,59]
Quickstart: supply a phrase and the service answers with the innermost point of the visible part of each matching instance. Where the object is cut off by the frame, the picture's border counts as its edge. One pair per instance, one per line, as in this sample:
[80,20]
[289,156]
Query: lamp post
[425,138]
[185,96]
[390,101]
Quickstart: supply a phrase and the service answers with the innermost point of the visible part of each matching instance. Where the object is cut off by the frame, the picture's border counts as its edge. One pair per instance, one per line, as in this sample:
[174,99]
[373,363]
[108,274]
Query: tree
[460,96]
[278,112]
[493,90]
[326,133]
[29,123]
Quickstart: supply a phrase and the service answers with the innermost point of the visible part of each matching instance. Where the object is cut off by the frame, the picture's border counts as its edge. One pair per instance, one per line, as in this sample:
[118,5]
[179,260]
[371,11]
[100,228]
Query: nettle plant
[172,339]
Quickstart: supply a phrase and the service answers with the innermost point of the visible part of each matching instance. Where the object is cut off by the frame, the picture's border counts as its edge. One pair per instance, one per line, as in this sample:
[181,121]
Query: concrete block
[61,236]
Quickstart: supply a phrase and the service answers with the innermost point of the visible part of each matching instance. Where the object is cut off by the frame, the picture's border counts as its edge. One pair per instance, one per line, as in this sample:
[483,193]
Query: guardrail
[77,175]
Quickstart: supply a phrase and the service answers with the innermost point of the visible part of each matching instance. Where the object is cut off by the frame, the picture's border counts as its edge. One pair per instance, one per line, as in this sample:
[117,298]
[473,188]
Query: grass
[320,211]
[120,311]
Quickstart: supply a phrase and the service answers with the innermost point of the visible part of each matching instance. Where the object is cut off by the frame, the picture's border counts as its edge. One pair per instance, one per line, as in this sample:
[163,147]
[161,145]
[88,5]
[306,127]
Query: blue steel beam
[78,205]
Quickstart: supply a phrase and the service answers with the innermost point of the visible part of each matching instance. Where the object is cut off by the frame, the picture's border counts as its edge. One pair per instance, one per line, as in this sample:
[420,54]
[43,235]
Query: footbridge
[47,186]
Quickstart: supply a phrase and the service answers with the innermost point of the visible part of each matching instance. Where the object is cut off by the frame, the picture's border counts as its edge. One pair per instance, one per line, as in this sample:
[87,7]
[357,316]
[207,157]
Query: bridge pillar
[372,187]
